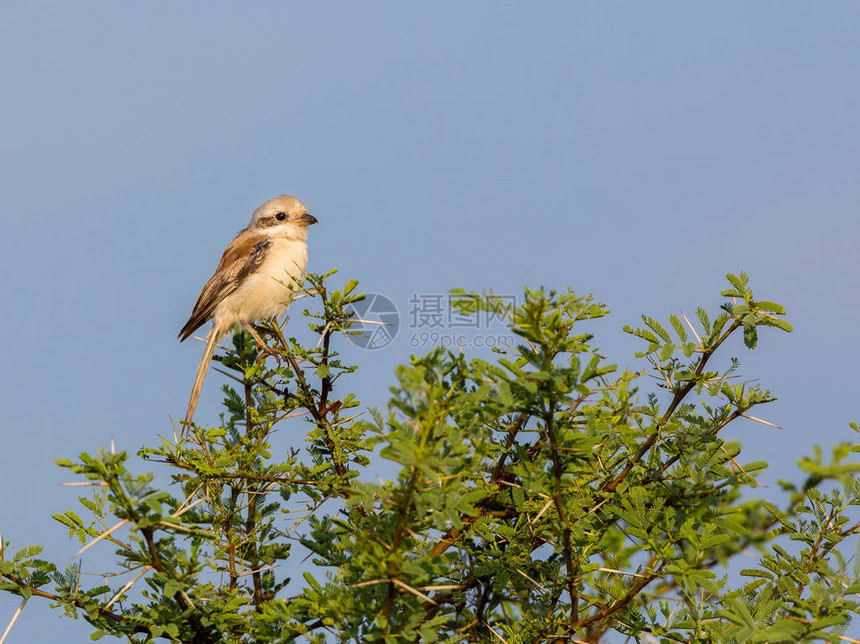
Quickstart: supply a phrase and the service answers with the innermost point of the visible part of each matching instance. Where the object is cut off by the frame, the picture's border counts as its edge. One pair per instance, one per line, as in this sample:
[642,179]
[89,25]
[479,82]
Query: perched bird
[253,280]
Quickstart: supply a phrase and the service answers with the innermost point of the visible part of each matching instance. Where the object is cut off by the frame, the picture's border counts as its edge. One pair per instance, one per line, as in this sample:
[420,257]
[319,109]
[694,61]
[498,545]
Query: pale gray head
[283,216]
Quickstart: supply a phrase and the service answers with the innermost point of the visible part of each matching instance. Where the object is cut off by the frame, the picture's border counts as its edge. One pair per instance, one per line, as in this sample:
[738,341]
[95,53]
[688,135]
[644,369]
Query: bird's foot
[264,348]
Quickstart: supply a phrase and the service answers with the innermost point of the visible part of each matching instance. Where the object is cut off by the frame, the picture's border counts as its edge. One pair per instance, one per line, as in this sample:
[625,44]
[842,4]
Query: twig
[14,619]
[104,534]
[127,586]
[414,591]
[537,585]
[620,572]
[676,401]
[759,420]
[493,631]
[543,509]
[693,329]
[258,570]
[372,582]
[802,621]
[567,549]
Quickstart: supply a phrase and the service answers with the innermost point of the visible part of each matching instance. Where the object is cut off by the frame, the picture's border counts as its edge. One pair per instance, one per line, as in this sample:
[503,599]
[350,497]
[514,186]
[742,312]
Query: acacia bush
[544,496]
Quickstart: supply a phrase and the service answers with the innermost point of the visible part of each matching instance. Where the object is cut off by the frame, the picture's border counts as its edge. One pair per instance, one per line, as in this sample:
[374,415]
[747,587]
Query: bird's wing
[242,258]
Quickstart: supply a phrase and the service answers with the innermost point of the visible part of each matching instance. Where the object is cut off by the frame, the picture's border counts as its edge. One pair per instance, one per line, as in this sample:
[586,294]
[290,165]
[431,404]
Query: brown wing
[242,258]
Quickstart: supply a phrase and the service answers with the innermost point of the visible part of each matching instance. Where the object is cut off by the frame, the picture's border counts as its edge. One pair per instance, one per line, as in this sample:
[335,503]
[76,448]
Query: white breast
[267,293]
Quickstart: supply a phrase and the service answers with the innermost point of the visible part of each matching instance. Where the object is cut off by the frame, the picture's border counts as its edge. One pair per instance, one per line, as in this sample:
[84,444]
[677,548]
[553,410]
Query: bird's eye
[281,216]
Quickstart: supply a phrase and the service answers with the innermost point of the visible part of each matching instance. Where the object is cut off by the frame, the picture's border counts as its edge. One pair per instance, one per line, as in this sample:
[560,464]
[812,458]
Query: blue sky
[138,138]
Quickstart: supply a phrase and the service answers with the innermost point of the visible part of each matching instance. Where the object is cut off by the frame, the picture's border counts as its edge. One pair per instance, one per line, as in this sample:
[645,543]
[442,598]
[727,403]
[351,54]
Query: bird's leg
[280,333]
[259,339]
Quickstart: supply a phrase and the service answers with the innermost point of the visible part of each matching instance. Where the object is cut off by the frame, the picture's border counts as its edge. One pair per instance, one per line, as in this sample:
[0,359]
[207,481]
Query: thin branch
[410,589]
[692,328]
[567,550]
[125,588]
[546,507]
[806,621]
[453,535]
[620,572]
[759,420]
[104,534]
[403,508]
[618,604]
[14,619]
[676,401]
[536,584]
[38,592]
[493,631]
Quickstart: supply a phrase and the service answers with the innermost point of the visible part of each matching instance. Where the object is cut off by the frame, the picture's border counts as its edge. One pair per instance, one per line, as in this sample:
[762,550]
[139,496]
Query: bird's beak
[307,220]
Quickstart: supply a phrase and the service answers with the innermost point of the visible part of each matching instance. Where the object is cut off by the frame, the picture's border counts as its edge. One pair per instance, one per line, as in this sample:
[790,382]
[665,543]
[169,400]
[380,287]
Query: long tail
[211,343]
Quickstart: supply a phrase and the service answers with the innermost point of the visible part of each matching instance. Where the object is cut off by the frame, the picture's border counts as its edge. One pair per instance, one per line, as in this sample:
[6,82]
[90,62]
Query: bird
[254,281]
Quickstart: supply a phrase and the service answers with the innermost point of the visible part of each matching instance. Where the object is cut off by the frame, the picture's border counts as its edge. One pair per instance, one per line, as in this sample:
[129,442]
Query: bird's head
[283,216]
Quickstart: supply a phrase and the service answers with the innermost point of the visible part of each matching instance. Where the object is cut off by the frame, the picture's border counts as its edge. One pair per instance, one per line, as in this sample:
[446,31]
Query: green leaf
[171,587]
[679,327]
[772,307]
[657,328]
[750,337]
[704,319]
[349,287]
[667,352]
[776,323]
